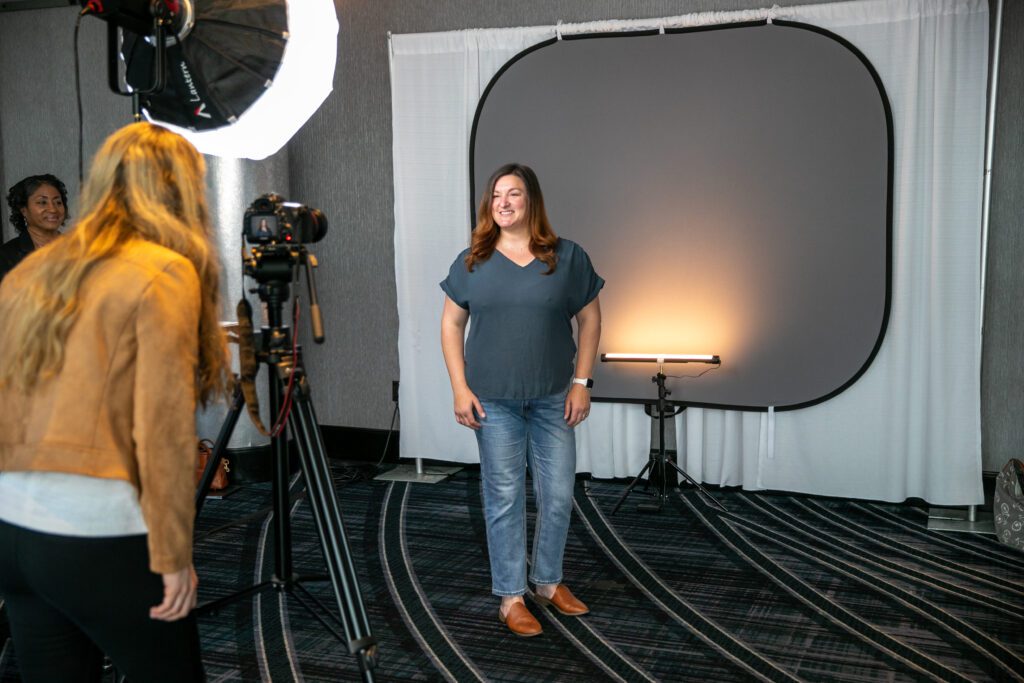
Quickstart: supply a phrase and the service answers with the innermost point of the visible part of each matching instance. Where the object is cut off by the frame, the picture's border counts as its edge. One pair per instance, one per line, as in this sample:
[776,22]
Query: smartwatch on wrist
[588,382]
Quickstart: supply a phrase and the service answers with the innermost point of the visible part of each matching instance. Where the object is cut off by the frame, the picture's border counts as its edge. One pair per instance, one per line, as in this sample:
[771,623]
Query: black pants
[70,600]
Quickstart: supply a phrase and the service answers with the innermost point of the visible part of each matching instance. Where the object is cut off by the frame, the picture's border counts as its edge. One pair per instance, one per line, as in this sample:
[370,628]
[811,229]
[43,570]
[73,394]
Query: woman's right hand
[467,407]
[180,593]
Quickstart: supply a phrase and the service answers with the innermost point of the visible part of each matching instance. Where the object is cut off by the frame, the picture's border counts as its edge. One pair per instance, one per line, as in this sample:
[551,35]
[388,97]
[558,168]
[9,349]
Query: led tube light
[661,358]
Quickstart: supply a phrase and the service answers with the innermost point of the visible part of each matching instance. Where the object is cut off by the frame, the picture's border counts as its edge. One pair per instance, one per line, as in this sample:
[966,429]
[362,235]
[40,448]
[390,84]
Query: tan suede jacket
[123,404]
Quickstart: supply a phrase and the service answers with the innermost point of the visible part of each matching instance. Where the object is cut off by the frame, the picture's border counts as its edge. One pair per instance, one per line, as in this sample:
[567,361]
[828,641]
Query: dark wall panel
[1002,377]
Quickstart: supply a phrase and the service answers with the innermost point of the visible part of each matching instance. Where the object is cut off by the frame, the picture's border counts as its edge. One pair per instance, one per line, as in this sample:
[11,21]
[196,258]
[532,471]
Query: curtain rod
[990,134]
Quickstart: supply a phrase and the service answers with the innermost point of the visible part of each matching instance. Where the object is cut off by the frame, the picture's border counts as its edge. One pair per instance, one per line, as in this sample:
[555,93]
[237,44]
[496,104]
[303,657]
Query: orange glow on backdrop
[707,308]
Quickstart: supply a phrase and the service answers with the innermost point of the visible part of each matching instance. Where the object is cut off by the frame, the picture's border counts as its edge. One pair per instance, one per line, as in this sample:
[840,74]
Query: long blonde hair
[145,183]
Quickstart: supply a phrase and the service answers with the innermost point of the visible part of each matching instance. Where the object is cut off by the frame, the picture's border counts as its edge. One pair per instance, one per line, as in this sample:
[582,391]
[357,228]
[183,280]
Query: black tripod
[659,462]
[284,364]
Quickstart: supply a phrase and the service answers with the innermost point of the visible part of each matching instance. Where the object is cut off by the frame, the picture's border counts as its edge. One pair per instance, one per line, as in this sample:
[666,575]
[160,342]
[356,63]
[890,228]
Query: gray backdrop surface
[731,186]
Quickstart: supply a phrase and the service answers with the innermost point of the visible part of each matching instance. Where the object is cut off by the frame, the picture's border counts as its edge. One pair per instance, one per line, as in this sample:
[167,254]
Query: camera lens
[314,225]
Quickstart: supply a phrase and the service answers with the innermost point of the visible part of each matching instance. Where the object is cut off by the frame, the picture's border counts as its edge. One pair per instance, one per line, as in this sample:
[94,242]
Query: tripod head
[277,232]
[275,267]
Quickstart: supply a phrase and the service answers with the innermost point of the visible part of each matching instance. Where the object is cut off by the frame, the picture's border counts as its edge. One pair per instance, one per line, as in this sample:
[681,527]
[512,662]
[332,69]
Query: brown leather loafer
[563,601]
[520,621]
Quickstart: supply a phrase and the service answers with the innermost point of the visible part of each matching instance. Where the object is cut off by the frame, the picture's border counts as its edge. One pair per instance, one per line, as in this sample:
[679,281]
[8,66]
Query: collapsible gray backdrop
[731,185]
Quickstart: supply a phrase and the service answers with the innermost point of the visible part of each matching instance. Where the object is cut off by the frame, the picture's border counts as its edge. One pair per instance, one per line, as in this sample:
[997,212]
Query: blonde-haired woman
[110,336]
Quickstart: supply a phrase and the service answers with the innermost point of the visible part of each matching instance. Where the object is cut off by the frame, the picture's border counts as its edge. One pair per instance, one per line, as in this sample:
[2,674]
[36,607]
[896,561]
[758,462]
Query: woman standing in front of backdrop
[515,382]
[109,336]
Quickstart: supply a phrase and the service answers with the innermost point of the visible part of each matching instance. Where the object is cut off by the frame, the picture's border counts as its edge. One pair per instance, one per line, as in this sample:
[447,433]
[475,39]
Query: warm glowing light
[302,83]
[661,357]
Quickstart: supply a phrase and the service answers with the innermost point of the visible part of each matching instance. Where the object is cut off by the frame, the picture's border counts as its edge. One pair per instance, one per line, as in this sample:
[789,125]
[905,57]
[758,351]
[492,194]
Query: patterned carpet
[780,588]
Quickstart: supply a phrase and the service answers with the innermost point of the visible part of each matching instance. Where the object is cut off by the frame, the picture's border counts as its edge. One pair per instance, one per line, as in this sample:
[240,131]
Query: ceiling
[15,5]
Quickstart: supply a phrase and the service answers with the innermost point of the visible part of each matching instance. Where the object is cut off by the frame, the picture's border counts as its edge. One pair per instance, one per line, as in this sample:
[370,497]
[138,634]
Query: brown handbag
[220,479]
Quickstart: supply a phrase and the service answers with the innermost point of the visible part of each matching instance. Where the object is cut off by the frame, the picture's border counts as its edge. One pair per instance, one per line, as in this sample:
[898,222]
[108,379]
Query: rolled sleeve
[586,284]
[456,285]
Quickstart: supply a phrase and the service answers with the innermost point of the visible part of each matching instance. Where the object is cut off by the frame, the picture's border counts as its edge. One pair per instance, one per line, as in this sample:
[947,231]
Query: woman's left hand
[180,593]
[577,405]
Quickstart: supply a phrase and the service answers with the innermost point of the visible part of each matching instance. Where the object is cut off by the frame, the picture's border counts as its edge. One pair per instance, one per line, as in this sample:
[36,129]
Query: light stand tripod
[284,364]
[658,460]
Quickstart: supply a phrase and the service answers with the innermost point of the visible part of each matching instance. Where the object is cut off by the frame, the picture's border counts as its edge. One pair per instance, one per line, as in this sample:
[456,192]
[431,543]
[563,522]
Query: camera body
[270,220]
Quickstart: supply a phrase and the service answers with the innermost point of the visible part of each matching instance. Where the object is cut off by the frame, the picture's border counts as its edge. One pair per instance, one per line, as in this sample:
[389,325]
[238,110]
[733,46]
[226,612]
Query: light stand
[658,462]
[144,18]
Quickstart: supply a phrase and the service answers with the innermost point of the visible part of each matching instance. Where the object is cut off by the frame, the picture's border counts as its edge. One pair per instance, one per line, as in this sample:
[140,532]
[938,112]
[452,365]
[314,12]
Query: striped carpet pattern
[779,588]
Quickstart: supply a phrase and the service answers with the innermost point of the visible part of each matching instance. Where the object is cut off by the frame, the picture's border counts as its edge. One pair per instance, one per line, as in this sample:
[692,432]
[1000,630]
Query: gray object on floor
[1008,504]
[417,473]
[967,519]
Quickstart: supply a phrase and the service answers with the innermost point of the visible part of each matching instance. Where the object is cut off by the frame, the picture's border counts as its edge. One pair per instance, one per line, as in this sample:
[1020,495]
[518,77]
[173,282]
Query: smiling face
[509,201]
[45,209]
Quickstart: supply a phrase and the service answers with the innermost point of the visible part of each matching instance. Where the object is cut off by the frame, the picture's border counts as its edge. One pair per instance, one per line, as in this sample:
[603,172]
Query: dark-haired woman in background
[38,206]
[515,382]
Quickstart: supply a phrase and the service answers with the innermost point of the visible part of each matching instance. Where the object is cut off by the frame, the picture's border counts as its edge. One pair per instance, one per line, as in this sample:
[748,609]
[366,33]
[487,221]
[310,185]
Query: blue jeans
[516,433]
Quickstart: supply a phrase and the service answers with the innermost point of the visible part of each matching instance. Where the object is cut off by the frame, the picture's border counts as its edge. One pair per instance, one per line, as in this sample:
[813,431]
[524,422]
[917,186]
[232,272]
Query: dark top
[520,342]
[13,251]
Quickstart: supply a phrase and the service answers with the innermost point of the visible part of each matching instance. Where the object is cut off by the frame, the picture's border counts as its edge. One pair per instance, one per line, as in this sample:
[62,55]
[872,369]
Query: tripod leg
[662,407]
[662,459]
[657,467]
[327,514]
[279,491]
[707,495]
[220,447]
[631,485]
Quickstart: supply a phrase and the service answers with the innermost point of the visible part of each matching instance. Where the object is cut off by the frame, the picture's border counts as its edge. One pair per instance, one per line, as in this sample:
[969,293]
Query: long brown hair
[543,239]
[145,183]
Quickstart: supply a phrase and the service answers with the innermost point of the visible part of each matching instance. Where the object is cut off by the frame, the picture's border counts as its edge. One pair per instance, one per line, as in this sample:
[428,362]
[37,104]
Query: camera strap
[248,365]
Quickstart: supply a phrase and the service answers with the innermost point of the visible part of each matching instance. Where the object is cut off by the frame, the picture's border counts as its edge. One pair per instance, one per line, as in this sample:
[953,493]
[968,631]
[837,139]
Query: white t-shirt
[70,504]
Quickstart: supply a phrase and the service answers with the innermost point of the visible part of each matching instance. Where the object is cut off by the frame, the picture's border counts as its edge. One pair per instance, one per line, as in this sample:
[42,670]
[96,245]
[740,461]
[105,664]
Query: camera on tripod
[276,232]
[271,220]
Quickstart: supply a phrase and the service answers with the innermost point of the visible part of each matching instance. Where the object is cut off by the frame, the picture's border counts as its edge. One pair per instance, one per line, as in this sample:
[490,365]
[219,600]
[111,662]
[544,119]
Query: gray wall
[1002,377]
[341,162]
[38,117]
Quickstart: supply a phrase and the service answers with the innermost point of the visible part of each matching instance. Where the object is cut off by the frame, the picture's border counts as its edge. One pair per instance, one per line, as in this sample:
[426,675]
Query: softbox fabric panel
[732,187]
[219,70]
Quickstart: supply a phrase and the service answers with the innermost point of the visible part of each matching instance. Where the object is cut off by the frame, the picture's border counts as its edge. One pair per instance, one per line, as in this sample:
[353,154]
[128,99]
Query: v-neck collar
[521,267]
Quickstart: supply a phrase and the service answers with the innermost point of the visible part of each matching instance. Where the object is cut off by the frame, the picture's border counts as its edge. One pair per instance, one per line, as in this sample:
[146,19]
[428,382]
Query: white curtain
[910,426]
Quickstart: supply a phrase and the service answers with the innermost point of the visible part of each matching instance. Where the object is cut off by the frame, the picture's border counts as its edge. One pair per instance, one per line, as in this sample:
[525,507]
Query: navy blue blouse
[520,342]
